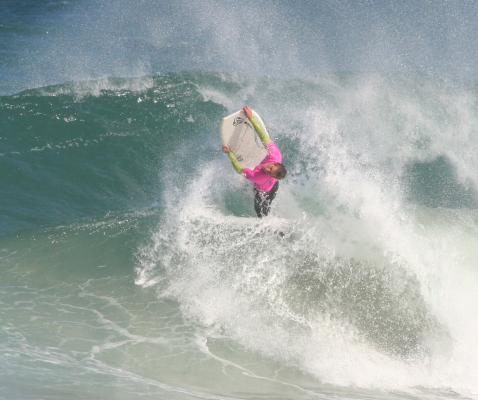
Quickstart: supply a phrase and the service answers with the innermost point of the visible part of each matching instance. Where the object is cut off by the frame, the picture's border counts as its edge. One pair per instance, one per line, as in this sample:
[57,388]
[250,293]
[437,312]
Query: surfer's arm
[234,161]
[259,128]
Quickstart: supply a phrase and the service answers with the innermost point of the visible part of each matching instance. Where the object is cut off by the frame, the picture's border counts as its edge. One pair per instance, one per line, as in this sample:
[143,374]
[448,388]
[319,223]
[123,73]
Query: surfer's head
[276,170]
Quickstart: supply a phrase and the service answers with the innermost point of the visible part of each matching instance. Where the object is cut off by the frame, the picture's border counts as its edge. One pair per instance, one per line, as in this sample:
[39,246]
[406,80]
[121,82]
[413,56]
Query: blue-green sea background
[132,265]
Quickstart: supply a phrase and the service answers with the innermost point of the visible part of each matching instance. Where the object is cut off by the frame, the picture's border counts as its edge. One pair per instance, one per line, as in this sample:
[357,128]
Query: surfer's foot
[248,111]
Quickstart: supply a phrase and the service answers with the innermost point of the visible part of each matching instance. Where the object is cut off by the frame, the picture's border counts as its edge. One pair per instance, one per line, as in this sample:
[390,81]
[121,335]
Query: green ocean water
[133,265]
[131,261]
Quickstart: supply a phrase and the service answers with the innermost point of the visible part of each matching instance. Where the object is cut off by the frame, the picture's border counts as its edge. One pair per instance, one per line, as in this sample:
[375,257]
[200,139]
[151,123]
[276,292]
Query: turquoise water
[132,262]
[130,267]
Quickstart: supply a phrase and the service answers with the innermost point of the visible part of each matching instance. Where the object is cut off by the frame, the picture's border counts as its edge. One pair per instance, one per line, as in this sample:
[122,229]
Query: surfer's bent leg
[263,200]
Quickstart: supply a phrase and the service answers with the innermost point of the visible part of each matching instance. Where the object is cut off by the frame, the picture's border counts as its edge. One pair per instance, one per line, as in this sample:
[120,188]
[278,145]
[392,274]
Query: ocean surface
[132,265]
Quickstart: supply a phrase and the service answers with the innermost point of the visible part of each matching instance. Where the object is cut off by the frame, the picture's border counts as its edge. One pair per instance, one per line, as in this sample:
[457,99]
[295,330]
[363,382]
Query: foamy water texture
[369,291]
[366,288]
[133,265]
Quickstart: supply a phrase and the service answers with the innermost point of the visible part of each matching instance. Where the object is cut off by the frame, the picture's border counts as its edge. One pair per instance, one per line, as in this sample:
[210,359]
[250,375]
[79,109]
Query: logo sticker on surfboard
[237,121]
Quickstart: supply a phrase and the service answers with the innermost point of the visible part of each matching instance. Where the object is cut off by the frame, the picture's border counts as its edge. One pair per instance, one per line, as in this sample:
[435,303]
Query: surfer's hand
[226,149]
[248,111]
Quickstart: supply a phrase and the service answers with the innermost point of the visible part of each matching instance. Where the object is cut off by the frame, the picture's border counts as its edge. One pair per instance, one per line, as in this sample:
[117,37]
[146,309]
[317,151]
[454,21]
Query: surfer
[267,174]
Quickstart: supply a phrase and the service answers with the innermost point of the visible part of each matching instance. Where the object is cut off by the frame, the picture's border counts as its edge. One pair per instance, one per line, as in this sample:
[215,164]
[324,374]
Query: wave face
[370,291]
[95,148]
[132,263]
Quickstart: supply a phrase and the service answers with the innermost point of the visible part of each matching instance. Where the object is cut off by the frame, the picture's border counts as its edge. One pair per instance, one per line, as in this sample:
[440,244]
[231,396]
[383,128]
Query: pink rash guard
[262,181]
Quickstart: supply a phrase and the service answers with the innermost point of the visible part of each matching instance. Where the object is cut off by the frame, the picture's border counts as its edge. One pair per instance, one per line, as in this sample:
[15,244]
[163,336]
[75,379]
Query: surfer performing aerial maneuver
[268,172]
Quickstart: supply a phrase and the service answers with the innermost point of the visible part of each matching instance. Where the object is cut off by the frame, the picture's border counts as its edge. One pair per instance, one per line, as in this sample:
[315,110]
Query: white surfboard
[238,133]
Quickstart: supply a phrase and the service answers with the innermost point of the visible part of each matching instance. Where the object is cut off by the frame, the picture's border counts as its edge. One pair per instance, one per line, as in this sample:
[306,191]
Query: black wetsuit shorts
[263,200]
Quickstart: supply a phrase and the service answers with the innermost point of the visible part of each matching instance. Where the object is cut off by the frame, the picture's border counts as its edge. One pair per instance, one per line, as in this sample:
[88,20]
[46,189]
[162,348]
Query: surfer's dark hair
[281,172]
